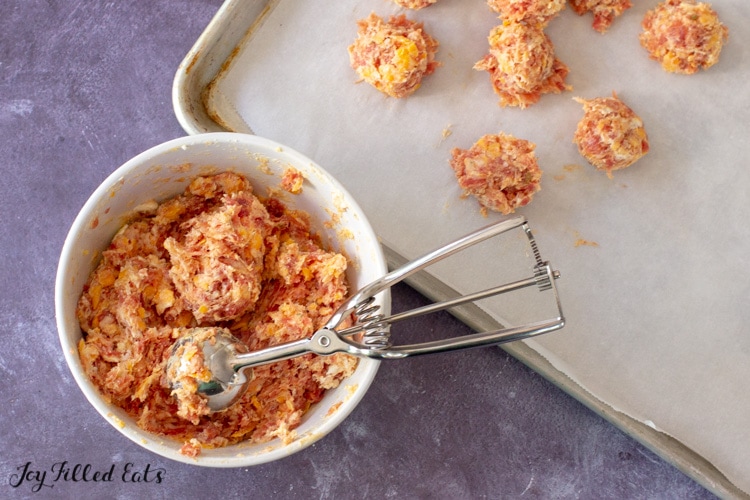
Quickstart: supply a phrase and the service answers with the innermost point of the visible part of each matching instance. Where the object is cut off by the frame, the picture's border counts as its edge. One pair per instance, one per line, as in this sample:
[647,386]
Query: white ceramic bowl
[164,171]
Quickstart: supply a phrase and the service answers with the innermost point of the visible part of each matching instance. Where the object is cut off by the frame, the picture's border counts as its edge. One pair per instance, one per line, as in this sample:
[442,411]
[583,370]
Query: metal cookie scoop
[222,377]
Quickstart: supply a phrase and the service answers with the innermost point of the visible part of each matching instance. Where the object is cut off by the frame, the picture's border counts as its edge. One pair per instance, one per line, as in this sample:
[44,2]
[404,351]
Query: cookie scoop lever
[212,364]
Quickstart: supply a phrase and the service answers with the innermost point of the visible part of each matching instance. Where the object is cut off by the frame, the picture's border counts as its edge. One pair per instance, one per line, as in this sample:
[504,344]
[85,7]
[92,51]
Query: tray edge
[212,54]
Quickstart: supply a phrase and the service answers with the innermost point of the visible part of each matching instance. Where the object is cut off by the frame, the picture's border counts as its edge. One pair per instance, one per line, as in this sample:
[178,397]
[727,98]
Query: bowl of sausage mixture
[215,230]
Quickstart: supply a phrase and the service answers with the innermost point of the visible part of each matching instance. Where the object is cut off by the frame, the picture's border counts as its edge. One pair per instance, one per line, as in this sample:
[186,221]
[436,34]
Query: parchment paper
[654,261]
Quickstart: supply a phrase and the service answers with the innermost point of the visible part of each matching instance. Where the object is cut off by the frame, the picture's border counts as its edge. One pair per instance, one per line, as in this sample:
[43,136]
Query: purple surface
[84,86]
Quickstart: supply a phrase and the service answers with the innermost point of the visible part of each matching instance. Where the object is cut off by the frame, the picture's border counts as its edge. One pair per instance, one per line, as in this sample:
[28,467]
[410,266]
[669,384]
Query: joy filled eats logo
[29,476]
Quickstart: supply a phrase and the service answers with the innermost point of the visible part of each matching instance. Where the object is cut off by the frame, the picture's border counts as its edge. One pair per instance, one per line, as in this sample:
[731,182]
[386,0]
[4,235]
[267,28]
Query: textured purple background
[86,85]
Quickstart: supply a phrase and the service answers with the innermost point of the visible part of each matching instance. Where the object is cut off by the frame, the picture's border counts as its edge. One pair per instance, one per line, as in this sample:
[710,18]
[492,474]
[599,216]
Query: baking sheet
[654,283]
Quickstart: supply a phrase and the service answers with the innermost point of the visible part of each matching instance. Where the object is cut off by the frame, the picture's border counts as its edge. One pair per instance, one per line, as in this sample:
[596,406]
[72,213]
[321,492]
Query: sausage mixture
[414,4]
[499,170]
[292,180]
[684,36]
[605,11]
[522,64]
[214,256]
[393,56]
[530,11]
[187,368]
[610,135]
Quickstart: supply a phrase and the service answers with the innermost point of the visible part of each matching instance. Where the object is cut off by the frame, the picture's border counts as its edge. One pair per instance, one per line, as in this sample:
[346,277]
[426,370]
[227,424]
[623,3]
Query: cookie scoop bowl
[163,172]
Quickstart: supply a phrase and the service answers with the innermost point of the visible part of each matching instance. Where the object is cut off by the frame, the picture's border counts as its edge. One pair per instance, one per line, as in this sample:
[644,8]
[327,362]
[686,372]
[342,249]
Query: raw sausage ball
[393,56]
[684,36]
[610,135]
[499,170]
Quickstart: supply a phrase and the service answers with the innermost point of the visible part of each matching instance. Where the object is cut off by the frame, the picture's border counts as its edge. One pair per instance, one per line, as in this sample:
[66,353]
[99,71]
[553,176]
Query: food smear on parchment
[214,256]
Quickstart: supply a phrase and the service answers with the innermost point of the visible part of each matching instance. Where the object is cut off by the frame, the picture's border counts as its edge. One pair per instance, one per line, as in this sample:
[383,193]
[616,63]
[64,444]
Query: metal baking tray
[637,256]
